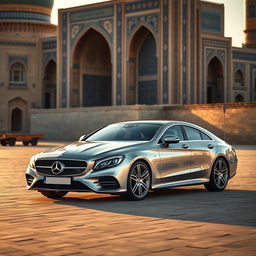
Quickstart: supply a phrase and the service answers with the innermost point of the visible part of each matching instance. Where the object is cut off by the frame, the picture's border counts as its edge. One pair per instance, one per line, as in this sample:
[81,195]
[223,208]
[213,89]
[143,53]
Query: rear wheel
[219,176]
[139,180]
[53,194]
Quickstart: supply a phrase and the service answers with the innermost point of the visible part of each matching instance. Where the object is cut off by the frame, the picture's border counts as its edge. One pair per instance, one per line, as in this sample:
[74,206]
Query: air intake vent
[29,179]
[108,183]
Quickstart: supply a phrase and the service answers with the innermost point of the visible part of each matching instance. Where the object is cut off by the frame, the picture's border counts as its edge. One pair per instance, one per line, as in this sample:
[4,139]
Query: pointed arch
[142,75]
[91,71]
[18,115]
[49,85]
[139,28]
[239,98]
[239,78]
[84,32]
[215,81]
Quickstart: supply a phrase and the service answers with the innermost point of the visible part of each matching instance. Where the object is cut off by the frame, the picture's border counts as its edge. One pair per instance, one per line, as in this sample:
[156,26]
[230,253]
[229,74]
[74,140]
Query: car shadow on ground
[232,207]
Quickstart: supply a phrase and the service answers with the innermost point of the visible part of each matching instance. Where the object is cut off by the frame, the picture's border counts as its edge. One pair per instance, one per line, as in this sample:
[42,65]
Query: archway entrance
[18,115]
[255,89]
[142,69]
[215,82]
[16,120]
[239,78]
[239,98]
[92,70]
[49,89]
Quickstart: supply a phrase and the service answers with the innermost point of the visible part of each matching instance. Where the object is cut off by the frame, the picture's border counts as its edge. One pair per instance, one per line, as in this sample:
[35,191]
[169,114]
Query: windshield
[126,132]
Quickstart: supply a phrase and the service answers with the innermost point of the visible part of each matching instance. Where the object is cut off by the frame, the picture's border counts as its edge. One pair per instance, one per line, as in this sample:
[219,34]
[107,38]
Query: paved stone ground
[183,221]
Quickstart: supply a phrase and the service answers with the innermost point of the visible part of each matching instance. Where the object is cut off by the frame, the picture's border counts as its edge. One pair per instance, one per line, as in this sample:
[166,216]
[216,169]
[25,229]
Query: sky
[234,16]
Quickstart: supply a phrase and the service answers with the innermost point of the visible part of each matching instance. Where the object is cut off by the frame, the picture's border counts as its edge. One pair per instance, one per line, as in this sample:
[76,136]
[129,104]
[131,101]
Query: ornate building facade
[120,52]
[152,52]
[27,61]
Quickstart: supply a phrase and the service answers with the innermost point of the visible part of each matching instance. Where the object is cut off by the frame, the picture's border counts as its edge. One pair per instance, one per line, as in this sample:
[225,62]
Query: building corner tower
[250,24]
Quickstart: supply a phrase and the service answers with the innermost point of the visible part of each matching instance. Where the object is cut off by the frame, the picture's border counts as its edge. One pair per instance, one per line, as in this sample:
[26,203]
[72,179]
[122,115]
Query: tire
[4,142]
[219,176]
[53,194]
[34,141]
[138,182]
[25,143]
[12,142]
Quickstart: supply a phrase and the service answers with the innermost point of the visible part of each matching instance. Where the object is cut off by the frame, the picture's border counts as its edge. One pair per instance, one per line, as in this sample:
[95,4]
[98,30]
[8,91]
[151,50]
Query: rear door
[203,150]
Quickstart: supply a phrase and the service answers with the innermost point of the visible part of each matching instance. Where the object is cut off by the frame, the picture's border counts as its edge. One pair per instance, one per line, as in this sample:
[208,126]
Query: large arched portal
[215,82]
[142,69]
[92,71]
[16,120]
[49,85]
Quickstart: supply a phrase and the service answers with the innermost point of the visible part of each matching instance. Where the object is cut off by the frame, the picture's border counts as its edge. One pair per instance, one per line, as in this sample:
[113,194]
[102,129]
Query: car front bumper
[111,180]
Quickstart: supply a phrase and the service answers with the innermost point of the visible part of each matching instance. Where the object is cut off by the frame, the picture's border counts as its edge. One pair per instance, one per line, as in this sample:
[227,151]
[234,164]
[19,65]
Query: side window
[205,137]
[174,130]
[192,134]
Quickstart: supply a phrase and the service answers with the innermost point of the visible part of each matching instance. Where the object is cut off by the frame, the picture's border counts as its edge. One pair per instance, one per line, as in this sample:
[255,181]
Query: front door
[175,158]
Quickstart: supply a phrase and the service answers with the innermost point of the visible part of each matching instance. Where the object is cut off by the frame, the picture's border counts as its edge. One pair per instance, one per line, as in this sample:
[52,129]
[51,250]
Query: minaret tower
[26,17]
[250,24]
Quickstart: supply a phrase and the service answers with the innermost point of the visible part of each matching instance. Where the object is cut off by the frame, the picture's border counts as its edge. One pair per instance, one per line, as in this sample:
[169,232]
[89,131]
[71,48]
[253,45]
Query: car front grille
[70,167]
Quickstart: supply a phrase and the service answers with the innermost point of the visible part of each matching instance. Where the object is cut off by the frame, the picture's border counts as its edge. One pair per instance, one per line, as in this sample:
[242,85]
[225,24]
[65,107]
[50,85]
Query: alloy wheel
[220,174]
[139,180]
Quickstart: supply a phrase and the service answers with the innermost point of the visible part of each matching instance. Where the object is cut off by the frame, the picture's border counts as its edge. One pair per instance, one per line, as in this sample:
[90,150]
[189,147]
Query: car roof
[156,122]
[170,122]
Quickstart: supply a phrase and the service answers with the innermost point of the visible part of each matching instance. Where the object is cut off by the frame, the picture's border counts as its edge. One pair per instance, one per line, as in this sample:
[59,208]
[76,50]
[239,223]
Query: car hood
[84,149]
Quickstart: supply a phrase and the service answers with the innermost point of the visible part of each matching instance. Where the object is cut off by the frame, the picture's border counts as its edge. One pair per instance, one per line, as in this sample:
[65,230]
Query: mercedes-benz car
[132,158]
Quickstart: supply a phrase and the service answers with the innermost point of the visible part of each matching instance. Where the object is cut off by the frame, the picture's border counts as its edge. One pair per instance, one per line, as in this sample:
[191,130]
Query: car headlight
[32,162]
[107,162]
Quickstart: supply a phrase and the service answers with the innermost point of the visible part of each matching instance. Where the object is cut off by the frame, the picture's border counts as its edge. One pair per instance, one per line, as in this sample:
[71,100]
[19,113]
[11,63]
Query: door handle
[185,146]
[210,146]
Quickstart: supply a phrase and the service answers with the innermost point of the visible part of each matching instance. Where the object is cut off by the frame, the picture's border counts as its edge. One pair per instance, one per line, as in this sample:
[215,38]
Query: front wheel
[219,176]
[139,180]
[53,194]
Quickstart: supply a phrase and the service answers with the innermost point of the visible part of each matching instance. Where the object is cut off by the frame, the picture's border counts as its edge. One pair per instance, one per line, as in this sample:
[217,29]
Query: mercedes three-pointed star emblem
[57,168]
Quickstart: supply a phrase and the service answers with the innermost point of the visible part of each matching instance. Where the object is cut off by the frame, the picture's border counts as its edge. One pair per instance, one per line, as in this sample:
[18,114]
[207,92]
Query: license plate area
[57,180]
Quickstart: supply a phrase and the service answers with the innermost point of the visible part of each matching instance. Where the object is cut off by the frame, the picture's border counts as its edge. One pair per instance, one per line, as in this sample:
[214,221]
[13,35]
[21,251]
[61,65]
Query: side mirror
[171,139]
[83,138]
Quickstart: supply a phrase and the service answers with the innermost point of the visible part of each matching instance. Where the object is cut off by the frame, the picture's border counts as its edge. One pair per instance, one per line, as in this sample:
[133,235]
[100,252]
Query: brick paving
[183,221]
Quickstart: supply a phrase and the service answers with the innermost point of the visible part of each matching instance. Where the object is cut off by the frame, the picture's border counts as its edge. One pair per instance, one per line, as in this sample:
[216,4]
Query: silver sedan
[132,158]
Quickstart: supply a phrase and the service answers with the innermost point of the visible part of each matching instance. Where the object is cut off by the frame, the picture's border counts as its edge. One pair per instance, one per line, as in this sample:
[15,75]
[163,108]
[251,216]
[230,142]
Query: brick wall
[237,125]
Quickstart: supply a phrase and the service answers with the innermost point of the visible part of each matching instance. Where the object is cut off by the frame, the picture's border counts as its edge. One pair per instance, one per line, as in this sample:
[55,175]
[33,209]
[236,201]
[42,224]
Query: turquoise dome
[44,3]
